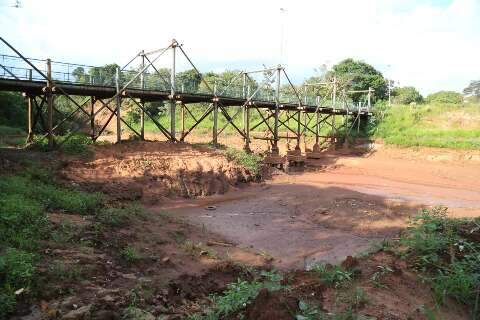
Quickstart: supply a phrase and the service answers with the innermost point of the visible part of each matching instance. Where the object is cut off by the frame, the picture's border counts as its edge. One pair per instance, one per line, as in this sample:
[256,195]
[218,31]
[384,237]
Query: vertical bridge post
[215,116]
[172,93]
[275,149]
[142,112]
[118,103]
[30,111]
[92,118]
[49,104]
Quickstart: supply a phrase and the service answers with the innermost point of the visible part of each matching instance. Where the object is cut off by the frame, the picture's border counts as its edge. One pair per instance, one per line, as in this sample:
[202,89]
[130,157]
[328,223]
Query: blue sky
[430,44]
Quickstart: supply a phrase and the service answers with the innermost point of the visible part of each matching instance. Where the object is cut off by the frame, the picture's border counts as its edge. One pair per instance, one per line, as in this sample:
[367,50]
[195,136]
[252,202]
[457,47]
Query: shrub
[445,97]
[250,161]
[406,95]
[436,244]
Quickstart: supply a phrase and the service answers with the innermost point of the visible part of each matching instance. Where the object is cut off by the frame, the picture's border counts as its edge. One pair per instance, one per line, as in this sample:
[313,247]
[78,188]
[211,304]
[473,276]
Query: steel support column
[277,108]
[172,94]
[92,117]
[29,112]
[118,102]
[49,95]
[142,85]
[246,121]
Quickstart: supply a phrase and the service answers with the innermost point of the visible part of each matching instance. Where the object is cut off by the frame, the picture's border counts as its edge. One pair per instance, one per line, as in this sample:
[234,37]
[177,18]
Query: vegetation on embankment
[28,197]
[431,125]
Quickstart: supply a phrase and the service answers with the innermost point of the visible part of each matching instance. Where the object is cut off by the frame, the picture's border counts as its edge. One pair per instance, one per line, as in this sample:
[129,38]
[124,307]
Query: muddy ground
[208,223]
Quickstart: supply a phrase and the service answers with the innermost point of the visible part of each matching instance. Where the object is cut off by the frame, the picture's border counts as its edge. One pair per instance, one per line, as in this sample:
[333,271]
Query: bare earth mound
[151,170]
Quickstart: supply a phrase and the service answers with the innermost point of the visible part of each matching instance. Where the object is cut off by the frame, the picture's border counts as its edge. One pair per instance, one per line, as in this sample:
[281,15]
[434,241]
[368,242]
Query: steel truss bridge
[267,92]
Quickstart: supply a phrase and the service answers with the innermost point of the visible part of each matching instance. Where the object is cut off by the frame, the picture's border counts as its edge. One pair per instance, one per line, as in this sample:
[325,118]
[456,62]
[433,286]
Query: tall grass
[442,126]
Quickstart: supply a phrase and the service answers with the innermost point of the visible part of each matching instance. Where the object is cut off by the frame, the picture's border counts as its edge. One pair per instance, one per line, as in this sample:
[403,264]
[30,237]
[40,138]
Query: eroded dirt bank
[153,170]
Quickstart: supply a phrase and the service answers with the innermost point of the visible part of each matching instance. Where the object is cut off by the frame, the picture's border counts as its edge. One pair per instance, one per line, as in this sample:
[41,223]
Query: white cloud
[430,47]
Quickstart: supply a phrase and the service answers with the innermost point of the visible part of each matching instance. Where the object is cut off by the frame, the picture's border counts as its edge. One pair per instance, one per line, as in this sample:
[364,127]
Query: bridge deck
[104,92]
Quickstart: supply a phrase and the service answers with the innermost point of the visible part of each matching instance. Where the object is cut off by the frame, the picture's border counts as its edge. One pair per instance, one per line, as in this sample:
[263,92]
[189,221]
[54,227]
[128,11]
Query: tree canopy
[359,75]
[473,89]
[406,95]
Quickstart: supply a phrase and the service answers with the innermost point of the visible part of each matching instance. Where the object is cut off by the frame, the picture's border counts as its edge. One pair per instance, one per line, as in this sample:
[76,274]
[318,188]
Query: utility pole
[282,34]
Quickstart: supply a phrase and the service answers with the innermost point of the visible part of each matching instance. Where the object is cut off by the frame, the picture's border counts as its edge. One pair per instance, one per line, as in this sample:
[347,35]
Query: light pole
[282,33]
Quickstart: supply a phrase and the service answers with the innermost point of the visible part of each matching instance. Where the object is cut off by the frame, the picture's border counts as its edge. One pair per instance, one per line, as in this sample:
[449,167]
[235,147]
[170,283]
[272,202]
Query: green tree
[445,97]
[188,81]
[358,75]
[406,95]
[473,89]
[103,75]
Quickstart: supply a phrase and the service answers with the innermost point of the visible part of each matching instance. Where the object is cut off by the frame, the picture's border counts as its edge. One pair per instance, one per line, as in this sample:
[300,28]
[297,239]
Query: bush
[250,161]
[77,144]
[406,95]
[445,97]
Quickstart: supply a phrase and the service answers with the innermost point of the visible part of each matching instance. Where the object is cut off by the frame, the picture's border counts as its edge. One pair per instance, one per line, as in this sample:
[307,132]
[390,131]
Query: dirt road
[348,203]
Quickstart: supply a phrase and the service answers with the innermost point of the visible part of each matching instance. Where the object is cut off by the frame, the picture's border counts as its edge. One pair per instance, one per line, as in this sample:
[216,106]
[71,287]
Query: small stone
[166,259]
[322,211]
[82,313]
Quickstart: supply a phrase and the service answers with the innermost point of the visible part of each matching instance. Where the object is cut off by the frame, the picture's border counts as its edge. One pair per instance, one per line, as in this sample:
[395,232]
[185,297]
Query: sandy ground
[341,208]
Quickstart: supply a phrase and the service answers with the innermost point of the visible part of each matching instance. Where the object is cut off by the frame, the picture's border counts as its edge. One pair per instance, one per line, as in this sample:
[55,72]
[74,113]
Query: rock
[82,313]
[165,260]
[322,211]
[69,303]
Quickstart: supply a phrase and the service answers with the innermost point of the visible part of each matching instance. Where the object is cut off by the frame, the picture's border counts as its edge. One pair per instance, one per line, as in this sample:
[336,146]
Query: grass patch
[252,161]
[120,216]
[440,126]
[444,249]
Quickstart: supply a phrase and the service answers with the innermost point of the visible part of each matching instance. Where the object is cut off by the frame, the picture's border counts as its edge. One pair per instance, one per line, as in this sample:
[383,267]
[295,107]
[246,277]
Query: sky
[430,44]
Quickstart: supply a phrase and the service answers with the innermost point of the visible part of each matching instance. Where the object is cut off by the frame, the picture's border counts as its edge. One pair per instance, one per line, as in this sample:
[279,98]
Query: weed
[237,295]
[377,277]
[129,254]
[198,249]
[333,275]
